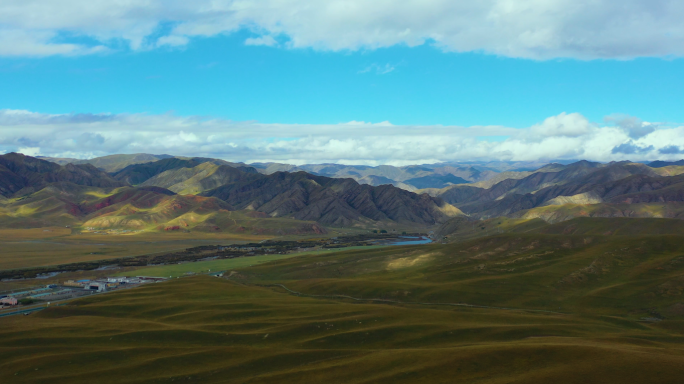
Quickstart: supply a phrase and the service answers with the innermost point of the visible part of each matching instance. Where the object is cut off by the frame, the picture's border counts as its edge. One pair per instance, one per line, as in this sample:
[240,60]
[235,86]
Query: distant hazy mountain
[111,163]
[380,180]
[411,178]
[661,164]
[435,181]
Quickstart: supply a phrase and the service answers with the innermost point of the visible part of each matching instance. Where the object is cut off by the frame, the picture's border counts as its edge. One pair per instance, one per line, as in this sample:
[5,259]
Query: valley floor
[26,248]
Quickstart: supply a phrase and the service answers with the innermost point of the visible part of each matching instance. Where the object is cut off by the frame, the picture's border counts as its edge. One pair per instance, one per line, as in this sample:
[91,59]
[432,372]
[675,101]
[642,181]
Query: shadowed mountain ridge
[24,174]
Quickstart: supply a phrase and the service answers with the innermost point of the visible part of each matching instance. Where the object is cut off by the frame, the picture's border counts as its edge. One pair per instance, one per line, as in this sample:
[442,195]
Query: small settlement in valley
[72,289]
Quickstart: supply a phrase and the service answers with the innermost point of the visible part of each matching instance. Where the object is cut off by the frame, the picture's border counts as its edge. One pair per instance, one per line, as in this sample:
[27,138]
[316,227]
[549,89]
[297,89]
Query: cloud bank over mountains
[565,136]
[535,29]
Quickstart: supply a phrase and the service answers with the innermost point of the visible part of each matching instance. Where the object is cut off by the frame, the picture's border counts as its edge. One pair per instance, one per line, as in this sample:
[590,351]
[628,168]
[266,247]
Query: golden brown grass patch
[406,262]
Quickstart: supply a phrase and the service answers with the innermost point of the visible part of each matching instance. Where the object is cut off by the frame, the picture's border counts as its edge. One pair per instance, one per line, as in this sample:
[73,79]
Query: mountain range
[147,191]
[558,193]
[201,194]
[580,183]
[411,178]
[111,163]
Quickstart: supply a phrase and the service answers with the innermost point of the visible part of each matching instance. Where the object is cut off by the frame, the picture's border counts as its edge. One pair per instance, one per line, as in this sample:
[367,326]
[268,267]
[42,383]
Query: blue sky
[467,75]
[222,77]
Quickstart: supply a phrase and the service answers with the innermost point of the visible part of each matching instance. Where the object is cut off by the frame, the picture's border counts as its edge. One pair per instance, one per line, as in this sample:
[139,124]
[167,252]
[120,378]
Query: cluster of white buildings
[75,288]
[39,293]
[108,283]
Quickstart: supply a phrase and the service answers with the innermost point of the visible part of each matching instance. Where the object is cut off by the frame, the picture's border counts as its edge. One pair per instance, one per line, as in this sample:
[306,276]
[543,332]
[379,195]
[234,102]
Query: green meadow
[586,301]
[208,330]
[26,248]
[176,270]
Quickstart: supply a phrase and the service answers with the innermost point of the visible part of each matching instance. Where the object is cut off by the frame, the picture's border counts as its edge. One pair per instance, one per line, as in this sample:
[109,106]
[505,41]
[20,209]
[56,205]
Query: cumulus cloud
[631,149]
[634,126]
[568,125]
[565,136]
[538,29]
[671,150]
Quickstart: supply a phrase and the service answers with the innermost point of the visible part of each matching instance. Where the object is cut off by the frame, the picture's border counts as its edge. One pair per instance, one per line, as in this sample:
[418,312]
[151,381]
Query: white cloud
[15,42]
[380,124]
[634,126]
[172,41]
[565,136]
[268,41]
[538,29]
[29,151]
[569,125]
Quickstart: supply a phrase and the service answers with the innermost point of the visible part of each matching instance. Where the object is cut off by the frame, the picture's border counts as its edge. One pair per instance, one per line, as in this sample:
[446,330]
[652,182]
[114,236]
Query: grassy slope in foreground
[210,330]
[629,276]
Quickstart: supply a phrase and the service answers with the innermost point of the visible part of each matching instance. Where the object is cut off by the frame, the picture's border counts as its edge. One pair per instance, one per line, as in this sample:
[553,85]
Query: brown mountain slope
[520,183]
[54,194]
[634,196]
[560,213]
[410,177]
[139,173]
[198,179]
[147,208]
[339,202]
[29,174]
[139,209]
[580,180]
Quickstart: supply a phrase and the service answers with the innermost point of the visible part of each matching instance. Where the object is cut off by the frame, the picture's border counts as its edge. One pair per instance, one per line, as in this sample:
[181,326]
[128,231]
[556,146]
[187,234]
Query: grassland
[628,276]
[462,229]
[25,248]
[210,330]
[587,301]
[176,270]
[616,227]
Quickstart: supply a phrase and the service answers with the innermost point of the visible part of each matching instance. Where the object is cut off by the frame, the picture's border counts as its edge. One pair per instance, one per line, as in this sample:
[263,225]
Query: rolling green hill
[628,276]
[547,308]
